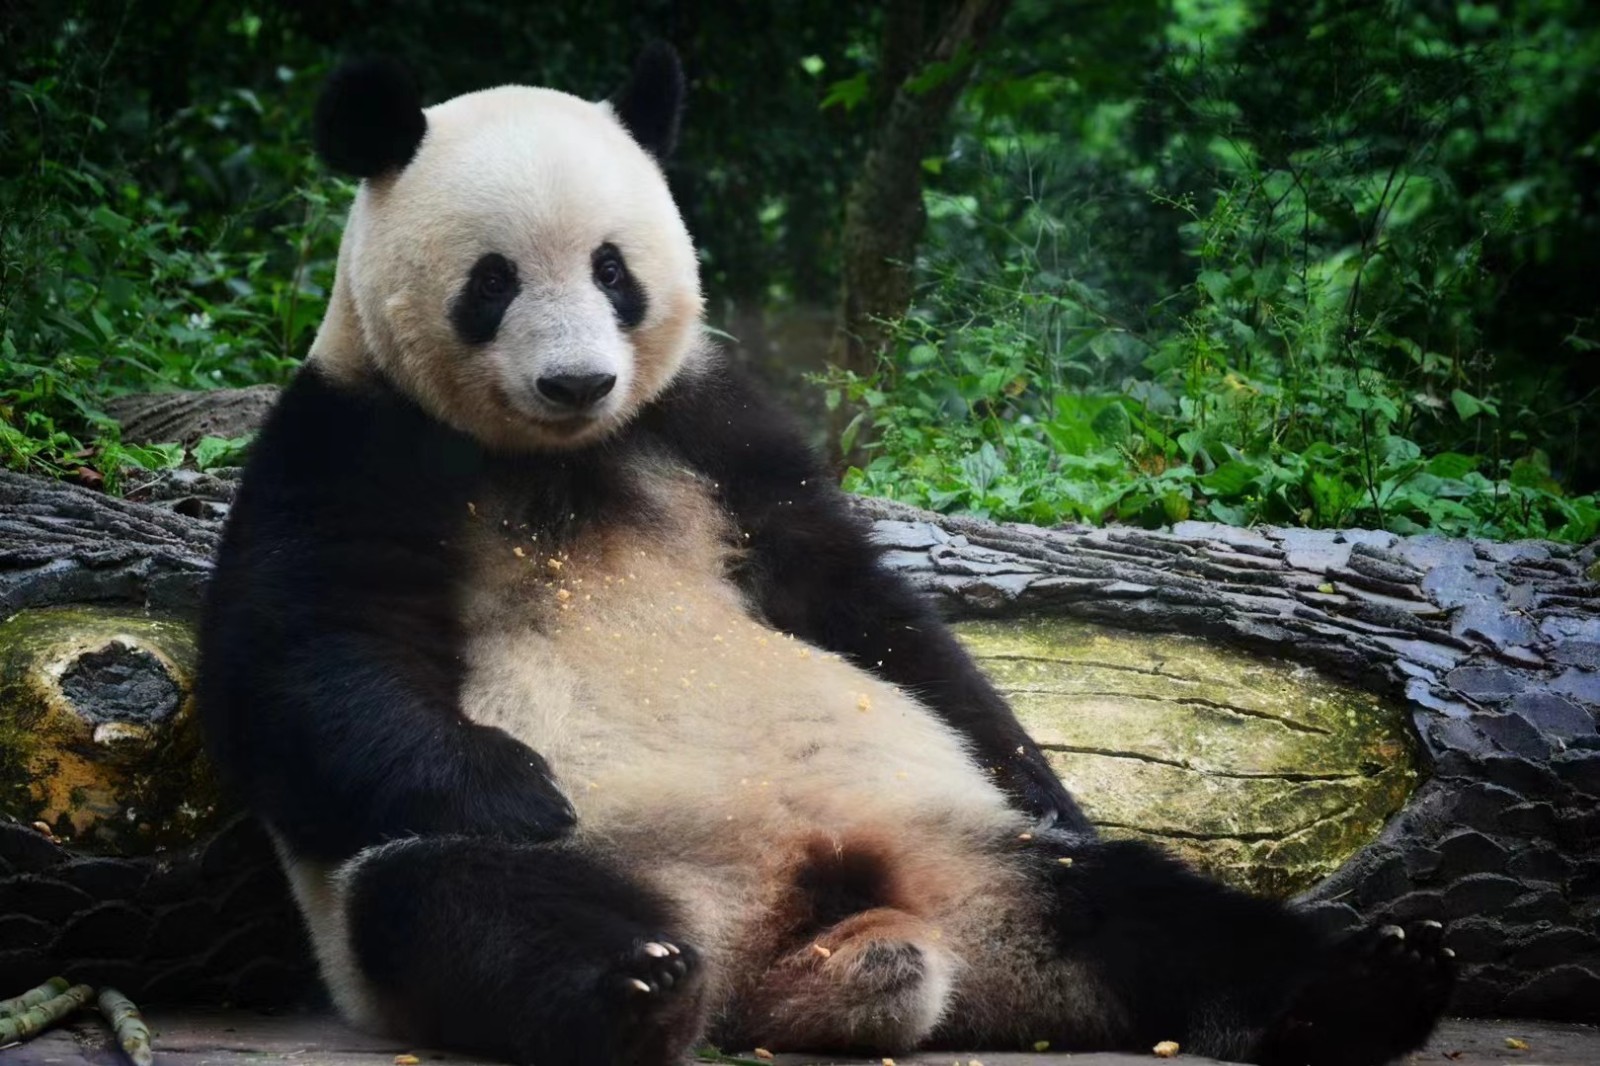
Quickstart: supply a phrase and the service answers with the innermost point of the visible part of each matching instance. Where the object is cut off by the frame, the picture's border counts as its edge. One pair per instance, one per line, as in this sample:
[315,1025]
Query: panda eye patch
[490,288]
[621,287]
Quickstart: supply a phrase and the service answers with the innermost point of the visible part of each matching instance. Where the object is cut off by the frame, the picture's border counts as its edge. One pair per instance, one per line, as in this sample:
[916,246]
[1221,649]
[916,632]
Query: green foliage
[143,252]
[1267,284]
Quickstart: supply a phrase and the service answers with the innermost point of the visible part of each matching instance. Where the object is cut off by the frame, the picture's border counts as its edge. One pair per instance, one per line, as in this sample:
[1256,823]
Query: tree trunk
[884,215]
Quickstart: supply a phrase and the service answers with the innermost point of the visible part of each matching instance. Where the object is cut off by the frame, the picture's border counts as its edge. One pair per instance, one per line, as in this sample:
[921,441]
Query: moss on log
[1266,774]
[98,742]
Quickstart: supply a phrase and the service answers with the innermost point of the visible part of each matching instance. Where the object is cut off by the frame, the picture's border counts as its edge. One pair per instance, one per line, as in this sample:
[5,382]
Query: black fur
[369,119]
[650,105]
[489,289]
[1227,974]
[526,953]
[620,286]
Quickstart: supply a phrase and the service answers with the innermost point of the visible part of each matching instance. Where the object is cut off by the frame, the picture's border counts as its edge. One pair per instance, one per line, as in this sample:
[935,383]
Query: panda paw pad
[654,969]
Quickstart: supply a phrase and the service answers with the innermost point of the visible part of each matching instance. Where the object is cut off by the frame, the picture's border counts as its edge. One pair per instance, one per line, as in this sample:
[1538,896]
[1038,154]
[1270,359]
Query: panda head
[513,260]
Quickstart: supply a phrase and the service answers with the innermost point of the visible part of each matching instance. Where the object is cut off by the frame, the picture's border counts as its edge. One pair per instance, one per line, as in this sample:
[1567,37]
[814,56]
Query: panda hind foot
[658,985]
[1379,995]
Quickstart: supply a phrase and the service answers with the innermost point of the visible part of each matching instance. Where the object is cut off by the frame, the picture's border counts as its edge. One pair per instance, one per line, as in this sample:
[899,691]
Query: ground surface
[237,1038]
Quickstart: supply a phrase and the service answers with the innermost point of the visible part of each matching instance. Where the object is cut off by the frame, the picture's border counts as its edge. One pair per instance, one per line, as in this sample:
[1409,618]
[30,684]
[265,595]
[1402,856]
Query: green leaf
[1451,465]
[1231,478]
[848,92]
[1467,405]
[210,452]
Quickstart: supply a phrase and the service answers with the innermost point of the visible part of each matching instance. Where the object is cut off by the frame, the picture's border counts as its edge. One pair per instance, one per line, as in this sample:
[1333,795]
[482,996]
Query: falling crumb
[553,563]
[406,1060]
[1516,1045]
[863,702]
[1065,860]
[888,1062]
[820,952]
[1041,1045]
[763,1053]
[1167,1049]
[518,552]
[472,509]
[563,595]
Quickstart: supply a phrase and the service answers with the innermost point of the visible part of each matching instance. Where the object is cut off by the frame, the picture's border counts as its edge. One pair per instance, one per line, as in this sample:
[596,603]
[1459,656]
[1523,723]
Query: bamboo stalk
[132,1033]
[41,1016]
[33,997]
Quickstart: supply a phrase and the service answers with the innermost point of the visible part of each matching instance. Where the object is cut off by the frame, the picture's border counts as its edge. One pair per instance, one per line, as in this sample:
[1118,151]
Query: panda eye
[495,281]
[609,273]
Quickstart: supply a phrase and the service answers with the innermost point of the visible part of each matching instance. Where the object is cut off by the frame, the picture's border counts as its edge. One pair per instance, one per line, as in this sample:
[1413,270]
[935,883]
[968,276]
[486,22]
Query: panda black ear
[651,104]
[369,118]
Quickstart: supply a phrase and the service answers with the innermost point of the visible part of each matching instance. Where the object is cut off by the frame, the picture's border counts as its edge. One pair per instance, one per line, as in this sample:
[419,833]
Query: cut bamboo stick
[132,1033]
[41,1016]
[33,997]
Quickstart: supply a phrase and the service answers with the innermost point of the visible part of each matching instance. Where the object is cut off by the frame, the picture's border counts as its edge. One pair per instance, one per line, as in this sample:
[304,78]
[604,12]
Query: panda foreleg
[535,953]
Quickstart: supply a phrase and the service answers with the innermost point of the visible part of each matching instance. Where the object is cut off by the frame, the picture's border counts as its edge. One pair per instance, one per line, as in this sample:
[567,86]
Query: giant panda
[586,720]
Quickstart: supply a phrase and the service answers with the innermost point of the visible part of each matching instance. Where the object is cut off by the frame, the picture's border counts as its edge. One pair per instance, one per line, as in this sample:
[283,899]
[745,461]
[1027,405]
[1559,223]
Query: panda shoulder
[720,418]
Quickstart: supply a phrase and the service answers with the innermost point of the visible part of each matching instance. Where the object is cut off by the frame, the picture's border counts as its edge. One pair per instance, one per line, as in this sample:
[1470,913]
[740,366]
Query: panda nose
[576,391]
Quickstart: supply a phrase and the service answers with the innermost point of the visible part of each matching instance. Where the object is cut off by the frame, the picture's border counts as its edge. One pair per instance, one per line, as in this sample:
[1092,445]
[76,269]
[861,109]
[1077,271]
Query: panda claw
[639,986]
[1391,932]
[656,951]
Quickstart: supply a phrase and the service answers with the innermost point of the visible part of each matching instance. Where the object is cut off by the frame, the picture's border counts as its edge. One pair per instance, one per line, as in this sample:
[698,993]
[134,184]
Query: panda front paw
[1378,995]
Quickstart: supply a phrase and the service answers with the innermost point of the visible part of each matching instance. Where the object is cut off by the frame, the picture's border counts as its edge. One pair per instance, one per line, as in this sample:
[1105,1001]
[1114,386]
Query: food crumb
[406,1060]
[1041,1046]
[563,595]
[864,702]
[553,563]
[1167,1049]
[518,552]
[1067,861]
[820,951]
[1516,1045]
[763,1053]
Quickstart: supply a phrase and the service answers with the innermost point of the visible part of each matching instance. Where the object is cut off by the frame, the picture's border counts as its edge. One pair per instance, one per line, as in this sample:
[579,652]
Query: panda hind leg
[533,953]
[1376,995]
[1232,975]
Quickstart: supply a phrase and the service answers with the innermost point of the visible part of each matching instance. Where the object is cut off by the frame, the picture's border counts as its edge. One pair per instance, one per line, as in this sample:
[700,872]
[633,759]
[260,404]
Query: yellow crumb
[563,595]
[1041,1045]
[763,1053]
[820,951]
[1064,861]
[1516,1045]
[863,702]
[518,552]
[1167,1049]
[406,1060]
[553,563]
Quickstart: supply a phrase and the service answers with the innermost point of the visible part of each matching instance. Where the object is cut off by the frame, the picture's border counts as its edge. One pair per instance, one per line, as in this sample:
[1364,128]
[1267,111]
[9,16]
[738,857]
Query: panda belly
[665,710]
